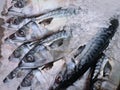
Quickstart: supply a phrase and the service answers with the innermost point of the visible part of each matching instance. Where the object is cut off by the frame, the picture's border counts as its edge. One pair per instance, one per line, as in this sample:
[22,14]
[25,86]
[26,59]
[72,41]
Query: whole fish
[33,30]
[32,7]
[19,21]
[87,57]
[51,49]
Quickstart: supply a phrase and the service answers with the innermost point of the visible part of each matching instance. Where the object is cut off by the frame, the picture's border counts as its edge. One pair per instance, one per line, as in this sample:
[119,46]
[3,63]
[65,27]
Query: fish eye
[12,75]
[19,4]
[17,53]
[58,79]
[21,33]
[30,58]
[17,20]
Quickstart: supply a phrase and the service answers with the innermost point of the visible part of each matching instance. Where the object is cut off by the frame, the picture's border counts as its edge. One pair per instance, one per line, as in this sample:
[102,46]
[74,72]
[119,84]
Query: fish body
[87,57]
[60,13]
[31,7]
[33,30]
[51,49]
[57,13]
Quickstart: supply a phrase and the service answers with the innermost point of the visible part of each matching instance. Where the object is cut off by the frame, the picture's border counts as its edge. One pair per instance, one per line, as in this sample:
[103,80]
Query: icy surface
[95,14]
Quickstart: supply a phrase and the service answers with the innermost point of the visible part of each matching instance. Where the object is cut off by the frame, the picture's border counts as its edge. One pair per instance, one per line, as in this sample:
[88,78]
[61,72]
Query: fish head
[16,20]
[59,79]
[26,33]
[20,52]
[19,35]
[14,7]
[34,58]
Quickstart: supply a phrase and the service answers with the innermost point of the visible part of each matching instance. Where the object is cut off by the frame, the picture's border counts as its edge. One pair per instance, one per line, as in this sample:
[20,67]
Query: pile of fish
[44,36]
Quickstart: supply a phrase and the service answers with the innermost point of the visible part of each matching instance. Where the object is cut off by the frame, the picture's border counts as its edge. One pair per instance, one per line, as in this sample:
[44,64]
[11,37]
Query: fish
[32,7]
[23,49]
[19,21]
[39,77]
[16,22]
[101,73]
[15,73]
[100,66]
[91,53]
[27,81]
[28,32]
[33,30]
[51,49]
[60,13]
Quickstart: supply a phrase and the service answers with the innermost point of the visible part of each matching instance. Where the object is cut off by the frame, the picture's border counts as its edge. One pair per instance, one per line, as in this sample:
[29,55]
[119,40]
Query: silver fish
[16,22]
[57,13]
[43,52]
[28,80]
[15,73]
[68,67]
[33,7]
[32,30]
[51,49]
[23,49]
[29,32]
[38,78]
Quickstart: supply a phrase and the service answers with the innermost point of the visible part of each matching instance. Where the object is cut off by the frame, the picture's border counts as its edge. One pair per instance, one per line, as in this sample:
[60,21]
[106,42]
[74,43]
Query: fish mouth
[14,39]
[12,75]
[8,40]
[13,58]
[14,11]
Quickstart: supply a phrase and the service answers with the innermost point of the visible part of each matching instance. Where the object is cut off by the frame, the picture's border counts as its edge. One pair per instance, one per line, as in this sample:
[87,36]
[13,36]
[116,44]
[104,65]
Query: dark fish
[101,73]
[88,56]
